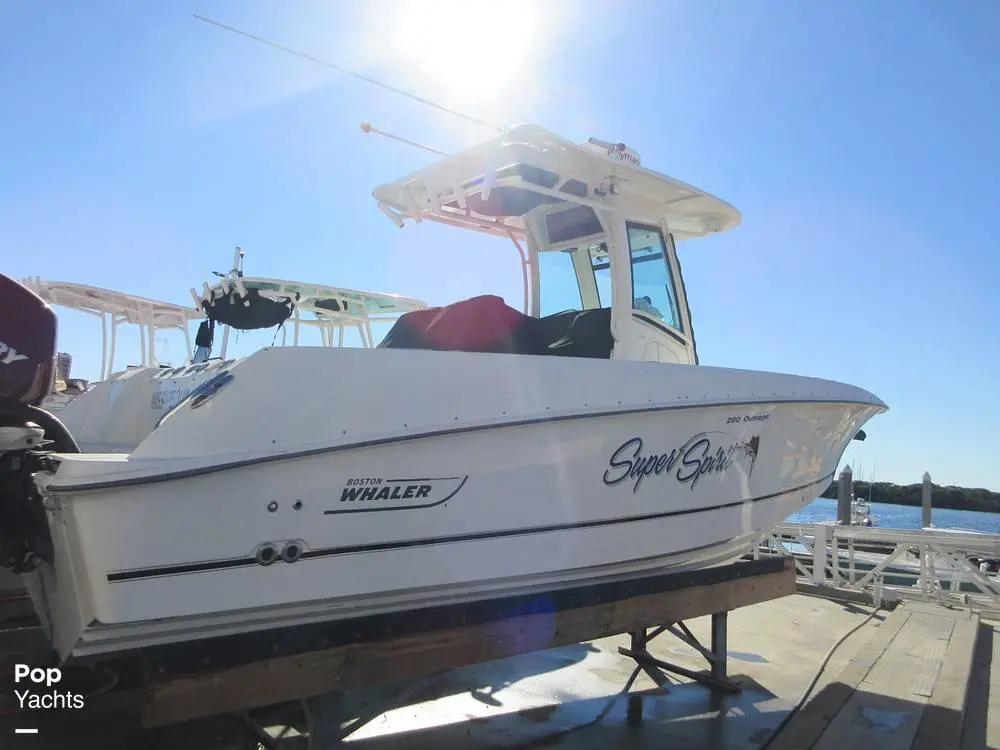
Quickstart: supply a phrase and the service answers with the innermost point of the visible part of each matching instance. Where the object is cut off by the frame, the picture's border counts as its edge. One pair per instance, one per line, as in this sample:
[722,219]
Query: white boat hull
[427,503]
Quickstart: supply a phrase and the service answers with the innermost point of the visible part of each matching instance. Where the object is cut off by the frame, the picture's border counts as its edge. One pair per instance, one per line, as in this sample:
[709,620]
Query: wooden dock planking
[886,707]
[982,723]
[806,727]
[906,689]
[993,712]
[944,716]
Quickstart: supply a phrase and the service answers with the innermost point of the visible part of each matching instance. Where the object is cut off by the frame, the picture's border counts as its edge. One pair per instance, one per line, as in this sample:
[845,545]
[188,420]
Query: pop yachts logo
[695,458]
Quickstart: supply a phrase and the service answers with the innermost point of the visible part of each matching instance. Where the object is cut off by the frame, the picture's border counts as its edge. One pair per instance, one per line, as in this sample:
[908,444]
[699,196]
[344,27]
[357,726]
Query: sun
[467,50]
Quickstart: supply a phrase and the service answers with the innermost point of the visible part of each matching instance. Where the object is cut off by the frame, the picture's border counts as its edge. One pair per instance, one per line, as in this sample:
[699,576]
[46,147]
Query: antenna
[360,77]
[366,127]
[238,255]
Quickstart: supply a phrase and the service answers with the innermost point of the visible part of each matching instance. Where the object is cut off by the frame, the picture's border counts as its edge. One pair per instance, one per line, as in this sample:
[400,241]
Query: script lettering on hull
[700,455]
[367,494]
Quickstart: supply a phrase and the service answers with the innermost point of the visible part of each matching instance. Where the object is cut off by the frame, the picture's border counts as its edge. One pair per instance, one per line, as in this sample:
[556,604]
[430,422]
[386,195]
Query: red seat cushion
[472,325]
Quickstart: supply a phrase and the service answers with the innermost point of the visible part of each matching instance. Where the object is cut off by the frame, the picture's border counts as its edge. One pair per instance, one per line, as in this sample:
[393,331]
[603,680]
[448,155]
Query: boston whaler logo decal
[701,454]
[166,399]
[377,493]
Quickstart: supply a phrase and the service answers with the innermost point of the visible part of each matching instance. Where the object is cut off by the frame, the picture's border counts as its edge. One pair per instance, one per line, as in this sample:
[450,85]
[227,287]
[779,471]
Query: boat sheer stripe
[197,471]
[241,562]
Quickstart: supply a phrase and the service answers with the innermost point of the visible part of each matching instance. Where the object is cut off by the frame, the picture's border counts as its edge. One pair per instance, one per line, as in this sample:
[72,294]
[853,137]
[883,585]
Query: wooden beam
[845,595]
[356,665]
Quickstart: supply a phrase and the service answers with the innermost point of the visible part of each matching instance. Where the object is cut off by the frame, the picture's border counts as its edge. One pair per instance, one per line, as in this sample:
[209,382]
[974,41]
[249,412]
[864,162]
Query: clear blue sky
[860,140]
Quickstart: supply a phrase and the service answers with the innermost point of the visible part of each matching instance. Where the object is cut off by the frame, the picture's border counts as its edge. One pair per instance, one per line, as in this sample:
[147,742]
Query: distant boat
[954,530]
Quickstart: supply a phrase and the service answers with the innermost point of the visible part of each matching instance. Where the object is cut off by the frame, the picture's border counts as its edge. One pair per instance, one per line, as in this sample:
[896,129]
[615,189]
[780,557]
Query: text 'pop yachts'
[38,688]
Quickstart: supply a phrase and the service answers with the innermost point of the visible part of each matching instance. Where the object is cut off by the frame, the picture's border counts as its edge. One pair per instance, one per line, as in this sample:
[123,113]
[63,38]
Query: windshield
[559,286]
[652,283]
[577,278]
[600,265]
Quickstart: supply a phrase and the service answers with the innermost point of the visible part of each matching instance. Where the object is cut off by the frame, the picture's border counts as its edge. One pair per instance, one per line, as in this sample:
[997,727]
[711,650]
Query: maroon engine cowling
[27,344]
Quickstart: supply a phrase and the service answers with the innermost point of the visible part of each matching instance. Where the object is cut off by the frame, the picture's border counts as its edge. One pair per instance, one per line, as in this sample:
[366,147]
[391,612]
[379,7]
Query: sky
[859,140]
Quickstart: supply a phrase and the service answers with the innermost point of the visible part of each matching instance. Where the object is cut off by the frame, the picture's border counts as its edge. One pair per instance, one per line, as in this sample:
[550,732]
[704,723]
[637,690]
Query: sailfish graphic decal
[750,450]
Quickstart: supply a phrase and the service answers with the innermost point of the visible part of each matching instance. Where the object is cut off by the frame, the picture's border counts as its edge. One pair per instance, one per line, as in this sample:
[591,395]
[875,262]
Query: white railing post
[820,535]
[940,568]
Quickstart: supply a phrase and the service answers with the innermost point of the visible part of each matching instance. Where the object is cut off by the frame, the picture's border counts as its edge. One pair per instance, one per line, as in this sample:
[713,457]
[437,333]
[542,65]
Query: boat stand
[715,678]
[298,684]
[324,717]
[323,714]
[313,723]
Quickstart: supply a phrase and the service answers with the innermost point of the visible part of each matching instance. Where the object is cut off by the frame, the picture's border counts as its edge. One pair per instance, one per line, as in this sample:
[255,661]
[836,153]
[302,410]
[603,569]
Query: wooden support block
[356,665]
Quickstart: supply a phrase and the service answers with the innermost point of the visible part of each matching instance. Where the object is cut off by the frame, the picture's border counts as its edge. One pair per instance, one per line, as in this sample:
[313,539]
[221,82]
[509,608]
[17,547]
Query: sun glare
[468,50]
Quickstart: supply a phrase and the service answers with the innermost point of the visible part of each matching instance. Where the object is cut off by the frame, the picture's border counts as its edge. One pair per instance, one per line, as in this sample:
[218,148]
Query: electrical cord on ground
[812,684]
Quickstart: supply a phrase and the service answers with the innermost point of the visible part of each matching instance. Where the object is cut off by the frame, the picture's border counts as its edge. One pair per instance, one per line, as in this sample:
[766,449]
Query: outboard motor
[27,344]
[28,434]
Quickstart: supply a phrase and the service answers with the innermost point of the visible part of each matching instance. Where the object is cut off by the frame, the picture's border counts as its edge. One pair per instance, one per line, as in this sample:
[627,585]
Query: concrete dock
[918,678]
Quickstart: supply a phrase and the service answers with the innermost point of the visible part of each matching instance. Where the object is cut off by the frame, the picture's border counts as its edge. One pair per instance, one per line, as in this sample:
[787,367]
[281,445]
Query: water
[902,516]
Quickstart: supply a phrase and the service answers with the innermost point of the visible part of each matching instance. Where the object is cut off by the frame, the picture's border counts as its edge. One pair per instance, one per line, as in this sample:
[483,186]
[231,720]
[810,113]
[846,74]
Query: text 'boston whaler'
[478,450]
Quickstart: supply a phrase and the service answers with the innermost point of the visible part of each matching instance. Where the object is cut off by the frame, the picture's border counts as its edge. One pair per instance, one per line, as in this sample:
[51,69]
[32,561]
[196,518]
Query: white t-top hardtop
[316,297]
[457,189]
[97,301]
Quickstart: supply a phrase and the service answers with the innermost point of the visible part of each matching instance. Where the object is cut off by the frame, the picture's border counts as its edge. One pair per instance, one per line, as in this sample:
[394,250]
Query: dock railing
[924,564]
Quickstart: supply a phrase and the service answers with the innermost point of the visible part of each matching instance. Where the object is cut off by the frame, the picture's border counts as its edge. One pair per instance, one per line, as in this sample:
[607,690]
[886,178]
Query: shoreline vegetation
[952,498]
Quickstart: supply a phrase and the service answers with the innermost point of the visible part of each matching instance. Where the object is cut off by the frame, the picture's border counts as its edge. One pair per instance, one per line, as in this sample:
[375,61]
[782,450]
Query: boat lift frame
[305,690]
